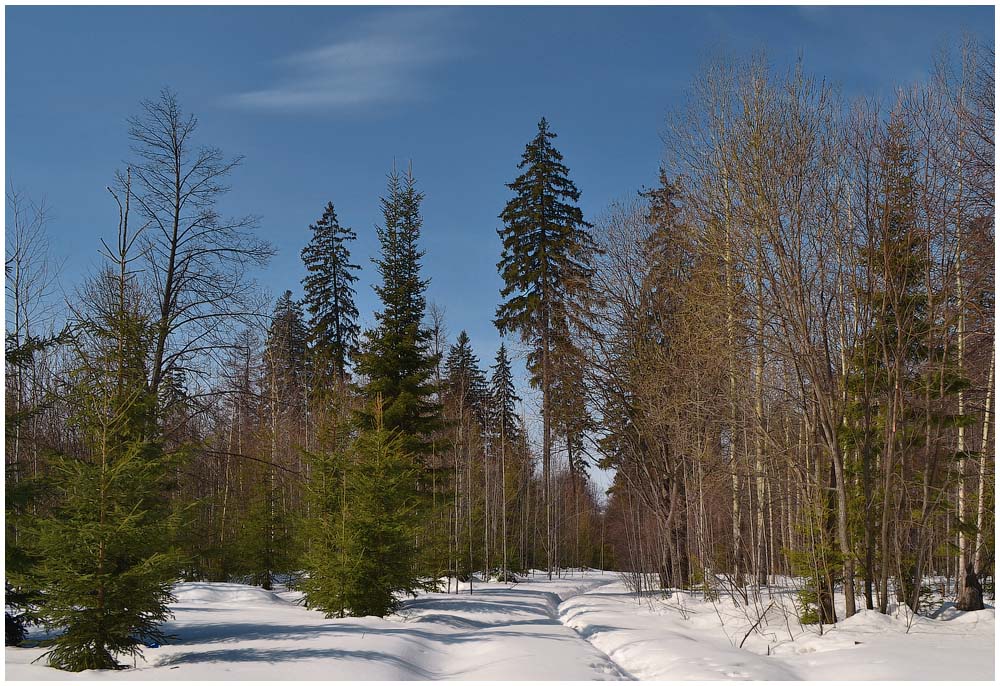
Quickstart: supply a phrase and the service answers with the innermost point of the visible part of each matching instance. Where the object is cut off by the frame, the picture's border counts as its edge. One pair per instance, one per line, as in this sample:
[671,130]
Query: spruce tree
[544,265]
[395,362]
[400,409]
[286,343]
[265,546]
[365,552]
[329,297]
[893,373]
[503,398]
[505,433]
[465,379]
[103,567]
[383,504]
[326,555]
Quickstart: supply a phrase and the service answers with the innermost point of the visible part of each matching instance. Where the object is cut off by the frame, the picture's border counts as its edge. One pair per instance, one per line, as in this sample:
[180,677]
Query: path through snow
[230,631]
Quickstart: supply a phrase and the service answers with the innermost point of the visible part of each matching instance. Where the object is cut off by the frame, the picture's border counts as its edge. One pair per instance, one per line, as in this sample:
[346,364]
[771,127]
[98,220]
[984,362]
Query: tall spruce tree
[505,433]
[400,409]
[889,373]
[544,264]
[394,360]
[329,297]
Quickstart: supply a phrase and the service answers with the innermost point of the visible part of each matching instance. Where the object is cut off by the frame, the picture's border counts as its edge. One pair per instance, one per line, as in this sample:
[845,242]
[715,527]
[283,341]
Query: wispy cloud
[386,58]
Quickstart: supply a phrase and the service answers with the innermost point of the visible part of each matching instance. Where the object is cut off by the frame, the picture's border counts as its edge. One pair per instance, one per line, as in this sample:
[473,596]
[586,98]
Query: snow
[656,641]
[583,627]
[685,637]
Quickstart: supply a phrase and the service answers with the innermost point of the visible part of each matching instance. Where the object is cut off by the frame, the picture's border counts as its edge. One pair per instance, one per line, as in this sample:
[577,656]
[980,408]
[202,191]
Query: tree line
[784,350]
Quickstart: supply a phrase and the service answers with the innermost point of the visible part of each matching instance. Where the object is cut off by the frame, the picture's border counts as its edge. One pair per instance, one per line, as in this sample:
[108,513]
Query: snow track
[499,632]
[230,631]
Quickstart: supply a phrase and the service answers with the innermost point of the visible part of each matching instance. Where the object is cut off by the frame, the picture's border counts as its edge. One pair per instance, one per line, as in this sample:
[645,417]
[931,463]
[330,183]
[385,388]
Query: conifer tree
[394,361]
[329,296]
[265,546]
[326,554]
[104,568]
[366,552]
[503,399]
[21,496]
[383,508]
[466,380]
[893,372]
[286,342]
[544,264]
[395,365]
[505,433]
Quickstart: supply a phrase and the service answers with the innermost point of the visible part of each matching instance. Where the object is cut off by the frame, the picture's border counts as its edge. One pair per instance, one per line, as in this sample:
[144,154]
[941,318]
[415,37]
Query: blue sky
[322,100]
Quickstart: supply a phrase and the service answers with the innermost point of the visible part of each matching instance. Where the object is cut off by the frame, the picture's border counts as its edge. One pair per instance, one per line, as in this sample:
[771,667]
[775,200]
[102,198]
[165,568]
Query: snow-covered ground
[583,627]
[685,637]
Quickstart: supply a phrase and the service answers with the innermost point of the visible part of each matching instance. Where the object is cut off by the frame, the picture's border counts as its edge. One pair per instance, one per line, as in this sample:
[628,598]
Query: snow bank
[655,641]
[685,637]
[195,593]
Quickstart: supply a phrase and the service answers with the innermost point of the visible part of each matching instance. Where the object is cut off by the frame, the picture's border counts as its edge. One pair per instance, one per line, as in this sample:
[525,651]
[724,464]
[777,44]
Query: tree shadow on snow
[473,607]
[222,633]
[276,655]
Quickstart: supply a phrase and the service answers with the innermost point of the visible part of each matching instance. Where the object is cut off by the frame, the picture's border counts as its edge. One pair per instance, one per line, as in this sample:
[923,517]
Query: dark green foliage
[394,361]
[504,421]
[369,499]
[264,545]
[546,245]
[808,605]
[197,537]
[383,503]
[465,380]
[820,565]
[895,295]
[329,296]
[285,352]
[896,378]
[15,628]
[20,597]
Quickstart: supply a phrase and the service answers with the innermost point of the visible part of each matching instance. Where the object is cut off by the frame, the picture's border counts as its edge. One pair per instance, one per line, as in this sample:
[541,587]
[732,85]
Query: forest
[782,348]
